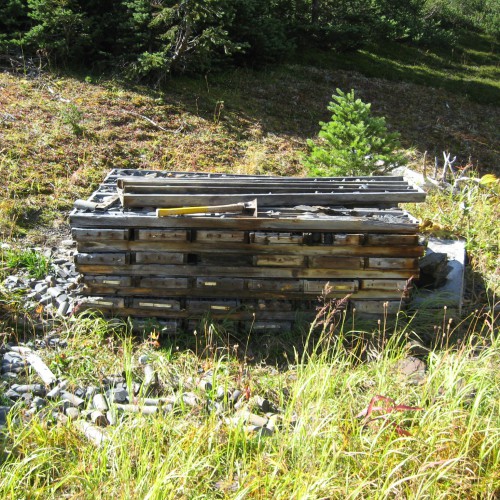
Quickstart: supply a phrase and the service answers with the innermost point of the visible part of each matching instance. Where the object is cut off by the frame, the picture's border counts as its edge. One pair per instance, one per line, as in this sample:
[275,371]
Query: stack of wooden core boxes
[263,261]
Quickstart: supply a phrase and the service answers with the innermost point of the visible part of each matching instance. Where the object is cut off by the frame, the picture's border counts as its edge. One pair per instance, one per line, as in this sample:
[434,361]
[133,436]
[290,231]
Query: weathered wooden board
[99,234]
[212,284]
[101,258]
[310,294]
[163,283]
[270,200]
[391,263]
[161,234]
[154,303]
[320,286]
[279,260]
[108,281]
[218,236]
[250,248]
[218,306]
[159,258]
[379,307]
[383,284]
[334,262]
[347,224]
[266,238]
[246,272]
[392,239]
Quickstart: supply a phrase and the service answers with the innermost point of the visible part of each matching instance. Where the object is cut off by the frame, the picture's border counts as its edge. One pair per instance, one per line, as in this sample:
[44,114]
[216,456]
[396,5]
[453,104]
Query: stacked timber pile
[253,249]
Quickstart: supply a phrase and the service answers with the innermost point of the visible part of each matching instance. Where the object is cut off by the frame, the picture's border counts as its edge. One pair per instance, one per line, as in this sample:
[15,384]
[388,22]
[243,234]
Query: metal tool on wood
[249,207]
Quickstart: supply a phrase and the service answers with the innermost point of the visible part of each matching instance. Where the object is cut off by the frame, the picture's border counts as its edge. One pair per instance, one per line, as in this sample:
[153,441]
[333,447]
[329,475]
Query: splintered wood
[262,265]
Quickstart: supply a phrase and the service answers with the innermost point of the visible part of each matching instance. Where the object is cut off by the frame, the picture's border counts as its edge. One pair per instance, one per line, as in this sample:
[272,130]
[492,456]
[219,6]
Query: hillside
[60,134]
[346,407]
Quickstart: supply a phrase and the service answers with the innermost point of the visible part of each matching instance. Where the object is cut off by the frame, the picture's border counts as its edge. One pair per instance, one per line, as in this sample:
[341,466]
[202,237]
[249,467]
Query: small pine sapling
[354,142]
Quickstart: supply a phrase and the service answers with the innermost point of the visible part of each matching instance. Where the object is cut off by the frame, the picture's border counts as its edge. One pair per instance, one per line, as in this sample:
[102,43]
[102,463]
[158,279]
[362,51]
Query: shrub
[354,142]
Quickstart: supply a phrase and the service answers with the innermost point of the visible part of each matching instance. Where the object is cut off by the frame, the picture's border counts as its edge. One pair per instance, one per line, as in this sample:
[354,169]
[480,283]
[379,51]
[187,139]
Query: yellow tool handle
[165,212]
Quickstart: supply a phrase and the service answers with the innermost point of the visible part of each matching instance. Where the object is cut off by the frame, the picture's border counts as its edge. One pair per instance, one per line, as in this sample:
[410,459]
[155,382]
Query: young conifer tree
[353,142]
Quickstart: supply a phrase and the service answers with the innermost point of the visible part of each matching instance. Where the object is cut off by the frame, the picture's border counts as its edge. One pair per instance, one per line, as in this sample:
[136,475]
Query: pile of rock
[93,408]
[56,294]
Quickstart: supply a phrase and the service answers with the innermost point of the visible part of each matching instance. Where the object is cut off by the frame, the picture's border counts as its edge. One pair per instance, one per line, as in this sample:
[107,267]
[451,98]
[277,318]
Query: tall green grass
[449,449]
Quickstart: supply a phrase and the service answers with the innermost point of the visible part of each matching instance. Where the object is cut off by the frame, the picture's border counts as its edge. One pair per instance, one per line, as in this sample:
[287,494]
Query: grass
[33,262]
[468,214]
[61,134]
[471,67]
[449,448]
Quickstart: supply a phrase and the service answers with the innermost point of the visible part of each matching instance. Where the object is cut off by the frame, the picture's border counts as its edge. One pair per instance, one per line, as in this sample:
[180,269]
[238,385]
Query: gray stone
[412,369]
[36,389]
[119,396]
[11,394]
[38,402]
[46,300]
[41,287]
[60,299]
[72,399]
[55,291]
[72,412]
[51,280]
[235,395]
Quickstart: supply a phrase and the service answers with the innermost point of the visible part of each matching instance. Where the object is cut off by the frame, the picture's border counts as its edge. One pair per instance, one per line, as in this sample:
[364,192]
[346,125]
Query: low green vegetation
[470,67]
[433,437]
[33,262]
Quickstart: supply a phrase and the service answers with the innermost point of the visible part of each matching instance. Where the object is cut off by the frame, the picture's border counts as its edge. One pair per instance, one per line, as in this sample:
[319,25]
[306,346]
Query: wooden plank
[270,200]
[263,238]
[159,258]
[395,225]
[275,285]
[268,305]
[101,258]
[164,283]
[219,306]
[382,284]
[347,239]
[120,281]
[246,272]
[217,236]
[154,303]
[392,239]
[121,178]
[137,192]
[240,294]
[223,259]
[237,316]
[83,234]
[391,263]
[279,260]
[252,248]
[161,234]
[105,302]
[319,286]
[212,284]
[131,185]
[266,326]
[376,306]
[334,262]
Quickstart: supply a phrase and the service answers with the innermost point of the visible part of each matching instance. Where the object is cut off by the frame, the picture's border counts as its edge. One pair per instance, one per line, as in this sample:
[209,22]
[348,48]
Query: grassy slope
[60,135]
[248,121]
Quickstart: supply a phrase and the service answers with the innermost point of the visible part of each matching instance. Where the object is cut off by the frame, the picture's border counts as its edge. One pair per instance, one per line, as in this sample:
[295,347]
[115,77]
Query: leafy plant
[34,262]
[353,142]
